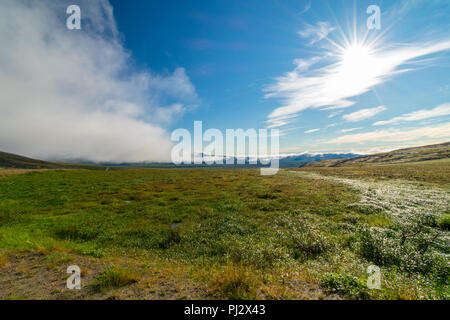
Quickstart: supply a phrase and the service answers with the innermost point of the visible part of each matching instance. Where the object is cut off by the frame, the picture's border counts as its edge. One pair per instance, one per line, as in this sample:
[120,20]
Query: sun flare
[356,57]
[357,69]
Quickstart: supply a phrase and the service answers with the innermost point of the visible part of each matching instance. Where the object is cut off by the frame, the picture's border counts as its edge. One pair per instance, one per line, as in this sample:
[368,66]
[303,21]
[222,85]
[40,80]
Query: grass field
[306,233]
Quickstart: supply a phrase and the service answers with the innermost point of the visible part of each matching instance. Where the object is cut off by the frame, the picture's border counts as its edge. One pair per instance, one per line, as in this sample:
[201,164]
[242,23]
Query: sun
[357,68]
[356,57]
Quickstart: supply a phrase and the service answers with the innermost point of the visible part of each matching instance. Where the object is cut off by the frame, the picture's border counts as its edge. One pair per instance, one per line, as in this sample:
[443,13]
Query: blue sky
[137,70]
[233,51]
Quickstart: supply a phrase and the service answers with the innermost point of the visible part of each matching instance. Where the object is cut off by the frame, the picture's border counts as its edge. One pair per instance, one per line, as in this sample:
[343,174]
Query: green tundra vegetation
[307,233]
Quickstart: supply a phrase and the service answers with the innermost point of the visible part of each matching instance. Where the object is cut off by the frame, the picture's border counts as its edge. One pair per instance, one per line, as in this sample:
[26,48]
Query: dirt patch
[4,172]
[36,276]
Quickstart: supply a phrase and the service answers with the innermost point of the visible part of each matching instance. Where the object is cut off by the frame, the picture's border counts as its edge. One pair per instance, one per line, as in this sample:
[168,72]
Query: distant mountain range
[291,161]
[9,160]
[429,152]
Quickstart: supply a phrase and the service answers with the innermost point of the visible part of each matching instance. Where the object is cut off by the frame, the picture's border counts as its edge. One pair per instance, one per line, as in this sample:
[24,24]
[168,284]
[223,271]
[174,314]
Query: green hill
[9,160]
[415,154]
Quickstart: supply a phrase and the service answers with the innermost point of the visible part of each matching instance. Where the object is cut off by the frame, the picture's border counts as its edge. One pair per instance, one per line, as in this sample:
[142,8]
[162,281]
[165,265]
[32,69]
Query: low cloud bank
[75,94]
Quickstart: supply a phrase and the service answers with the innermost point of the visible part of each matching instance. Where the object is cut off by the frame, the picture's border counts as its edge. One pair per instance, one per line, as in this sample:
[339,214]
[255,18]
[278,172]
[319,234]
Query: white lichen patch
[399,199]
[394,197]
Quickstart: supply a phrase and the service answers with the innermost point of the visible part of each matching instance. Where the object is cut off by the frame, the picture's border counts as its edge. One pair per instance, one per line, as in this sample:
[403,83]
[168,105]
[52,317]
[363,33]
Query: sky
[137,70]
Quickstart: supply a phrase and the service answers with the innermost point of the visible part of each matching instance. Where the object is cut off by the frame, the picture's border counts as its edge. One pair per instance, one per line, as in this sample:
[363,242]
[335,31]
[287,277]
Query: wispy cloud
[279,122]
[349,130]
[71,94]
[439,111]
[316,32]
[363,114]
[287,131]
[306,8]
[391,135]
[305,64]
[334,114]
[312,130]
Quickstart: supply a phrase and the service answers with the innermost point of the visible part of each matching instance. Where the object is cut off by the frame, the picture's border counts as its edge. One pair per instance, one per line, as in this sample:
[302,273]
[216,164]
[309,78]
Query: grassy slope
[433,171]
[9,160]
[424,153]
[240,235]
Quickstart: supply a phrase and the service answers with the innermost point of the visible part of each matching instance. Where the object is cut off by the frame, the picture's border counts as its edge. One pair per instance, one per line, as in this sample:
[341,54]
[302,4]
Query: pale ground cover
[394,197]
[398,199]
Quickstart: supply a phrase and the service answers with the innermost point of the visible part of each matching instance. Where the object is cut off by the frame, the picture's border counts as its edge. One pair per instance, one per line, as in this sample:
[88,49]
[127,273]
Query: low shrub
[305,241]
[84,232]
[234,283]
[149,238]
[115,277]
[444,222]
[410,246]
[258,254]
[309,245]
[348,286]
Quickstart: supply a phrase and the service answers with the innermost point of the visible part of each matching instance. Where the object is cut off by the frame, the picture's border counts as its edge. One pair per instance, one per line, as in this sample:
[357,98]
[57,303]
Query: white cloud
[442,131]
[340,105]
[350,130]
[312,130]
[317,32]
[334,114]
[439,111]
[279,122]
[305,64]
[351,73]
[363,114]
[72,94]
